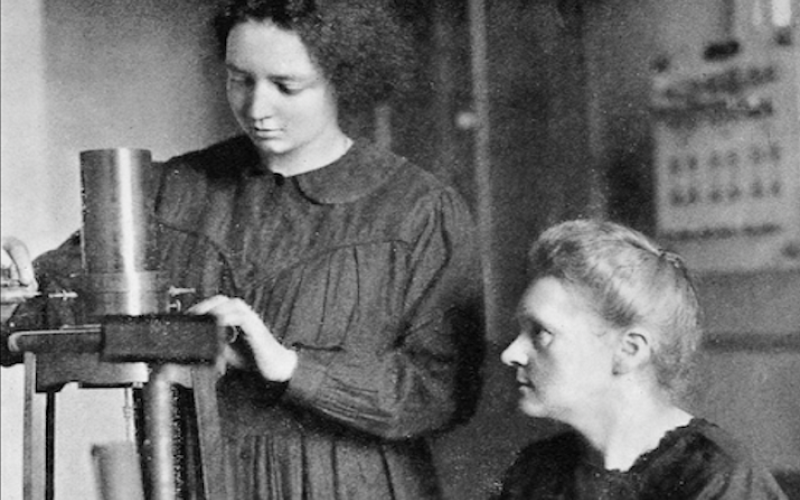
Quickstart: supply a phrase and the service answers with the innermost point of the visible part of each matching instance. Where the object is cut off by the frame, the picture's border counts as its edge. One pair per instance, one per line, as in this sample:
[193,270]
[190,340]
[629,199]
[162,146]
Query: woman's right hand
[18,280]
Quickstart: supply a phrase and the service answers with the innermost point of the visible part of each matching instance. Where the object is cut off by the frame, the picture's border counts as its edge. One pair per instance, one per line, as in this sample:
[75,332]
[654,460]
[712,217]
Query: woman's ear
[633,350]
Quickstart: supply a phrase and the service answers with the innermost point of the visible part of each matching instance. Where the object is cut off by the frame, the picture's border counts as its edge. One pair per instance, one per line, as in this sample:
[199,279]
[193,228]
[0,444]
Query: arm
[430,374]
[55,271]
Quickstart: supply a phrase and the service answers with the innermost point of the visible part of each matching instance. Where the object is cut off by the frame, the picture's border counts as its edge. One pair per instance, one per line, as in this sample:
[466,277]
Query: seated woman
[608,327]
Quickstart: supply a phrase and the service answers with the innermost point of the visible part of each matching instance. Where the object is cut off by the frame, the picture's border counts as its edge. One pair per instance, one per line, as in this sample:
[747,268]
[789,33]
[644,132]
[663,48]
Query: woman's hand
[275,362]
[18,280]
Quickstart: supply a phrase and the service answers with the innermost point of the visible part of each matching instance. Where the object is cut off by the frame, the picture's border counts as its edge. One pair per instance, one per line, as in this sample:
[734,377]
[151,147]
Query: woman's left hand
[275,362]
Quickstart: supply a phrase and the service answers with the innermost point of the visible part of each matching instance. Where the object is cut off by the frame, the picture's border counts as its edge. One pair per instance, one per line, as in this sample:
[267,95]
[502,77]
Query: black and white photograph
[400,250]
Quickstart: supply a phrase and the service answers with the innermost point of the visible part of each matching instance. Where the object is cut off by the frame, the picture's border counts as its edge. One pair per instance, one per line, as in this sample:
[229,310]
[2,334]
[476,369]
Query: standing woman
[608,327]
[347,273]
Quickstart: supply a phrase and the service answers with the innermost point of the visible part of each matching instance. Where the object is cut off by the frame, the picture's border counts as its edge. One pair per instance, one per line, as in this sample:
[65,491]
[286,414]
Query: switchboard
[727,135]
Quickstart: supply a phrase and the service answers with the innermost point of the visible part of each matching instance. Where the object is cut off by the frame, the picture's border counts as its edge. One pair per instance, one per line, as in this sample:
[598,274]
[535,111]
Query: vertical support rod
[480,97]
[33,462]
[50,447]
[212,445]
[159,434]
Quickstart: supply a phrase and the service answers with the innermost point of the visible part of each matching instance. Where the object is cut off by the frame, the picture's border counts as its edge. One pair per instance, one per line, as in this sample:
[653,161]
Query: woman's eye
[541,337]
[287,89]
[238,81]
[536,334]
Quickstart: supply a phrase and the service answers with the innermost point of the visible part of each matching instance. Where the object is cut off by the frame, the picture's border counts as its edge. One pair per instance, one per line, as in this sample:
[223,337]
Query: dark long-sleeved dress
[696,462]
[367,269]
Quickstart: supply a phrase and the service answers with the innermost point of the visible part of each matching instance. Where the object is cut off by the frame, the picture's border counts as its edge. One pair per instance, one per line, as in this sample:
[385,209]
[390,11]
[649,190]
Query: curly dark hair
[360,45]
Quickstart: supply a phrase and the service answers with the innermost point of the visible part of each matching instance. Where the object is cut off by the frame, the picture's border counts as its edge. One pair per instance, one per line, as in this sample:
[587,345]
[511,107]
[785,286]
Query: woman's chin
[530,405]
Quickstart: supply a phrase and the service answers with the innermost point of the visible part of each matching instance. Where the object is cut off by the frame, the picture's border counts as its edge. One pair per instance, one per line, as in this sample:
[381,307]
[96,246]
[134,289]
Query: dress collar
[360,171]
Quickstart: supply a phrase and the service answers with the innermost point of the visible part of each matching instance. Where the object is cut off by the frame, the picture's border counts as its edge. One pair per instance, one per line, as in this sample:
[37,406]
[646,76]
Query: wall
[82,75]
[750,373]
[21,164]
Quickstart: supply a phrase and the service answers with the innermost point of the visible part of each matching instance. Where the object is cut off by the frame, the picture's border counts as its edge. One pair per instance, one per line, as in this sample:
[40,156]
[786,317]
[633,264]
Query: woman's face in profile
[279,96]
[563,354]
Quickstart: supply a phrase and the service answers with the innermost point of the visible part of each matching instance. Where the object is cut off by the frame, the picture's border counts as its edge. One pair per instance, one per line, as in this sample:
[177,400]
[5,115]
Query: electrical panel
[727,152]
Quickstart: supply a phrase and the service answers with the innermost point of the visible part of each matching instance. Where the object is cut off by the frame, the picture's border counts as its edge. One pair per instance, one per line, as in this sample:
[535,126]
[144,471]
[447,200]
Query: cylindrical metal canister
[119,245]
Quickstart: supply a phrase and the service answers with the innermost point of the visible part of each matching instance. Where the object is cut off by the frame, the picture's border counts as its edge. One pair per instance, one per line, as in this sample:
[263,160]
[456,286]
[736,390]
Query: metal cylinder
[118,242]
[117,470]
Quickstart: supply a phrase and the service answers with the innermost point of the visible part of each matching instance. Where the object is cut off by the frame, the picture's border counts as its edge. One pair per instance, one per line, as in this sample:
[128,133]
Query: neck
[632,428]
[313,156]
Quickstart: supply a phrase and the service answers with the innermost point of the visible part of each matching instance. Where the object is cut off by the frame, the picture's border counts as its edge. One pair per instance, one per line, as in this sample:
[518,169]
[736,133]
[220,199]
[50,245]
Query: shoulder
[420,183]
[184,185]
[384,186]
[711,463]
[421,195]
[716,446]
[228,158]
[63,260]
[219,166]
[368,171]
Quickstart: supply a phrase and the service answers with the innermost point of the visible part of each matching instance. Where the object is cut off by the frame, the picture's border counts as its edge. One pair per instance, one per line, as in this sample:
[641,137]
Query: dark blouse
[366,268]
[698,461]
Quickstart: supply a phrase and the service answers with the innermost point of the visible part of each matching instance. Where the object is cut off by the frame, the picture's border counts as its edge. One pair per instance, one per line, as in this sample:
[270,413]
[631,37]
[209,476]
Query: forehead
[555,305]
[264,47]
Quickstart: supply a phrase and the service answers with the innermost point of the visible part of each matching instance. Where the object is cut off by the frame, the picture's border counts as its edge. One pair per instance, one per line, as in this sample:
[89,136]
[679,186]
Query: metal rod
[118,472]
[159,437]
[86,339]
[33,487]
[50,447]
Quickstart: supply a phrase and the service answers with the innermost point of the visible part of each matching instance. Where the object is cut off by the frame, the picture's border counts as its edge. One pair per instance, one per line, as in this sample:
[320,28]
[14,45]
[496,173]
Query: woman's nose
[515,354]
[262,102]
